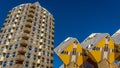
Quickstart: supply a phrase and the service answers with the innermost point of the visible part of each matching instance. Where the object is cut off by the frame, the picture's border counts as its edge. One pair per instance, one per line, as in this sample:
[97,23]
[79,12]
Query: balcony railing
[18,66]
[20,58]
[23,49]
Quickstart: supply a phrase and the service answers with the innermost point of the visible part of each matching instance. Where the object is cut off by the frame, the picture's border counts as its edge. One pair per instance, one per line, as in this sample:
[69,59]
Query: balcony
[12,31]
[14,25]
[23,43]
[18,66]
[22,49]
[27,30]
[4,50]
[25,37]
[20,58]
[30,15]
[28,24]
[7,43]
[2,58]
[32,7]
[38,61]
[39,53]
[9,37]
[31,11]
[25,34]
[29,20]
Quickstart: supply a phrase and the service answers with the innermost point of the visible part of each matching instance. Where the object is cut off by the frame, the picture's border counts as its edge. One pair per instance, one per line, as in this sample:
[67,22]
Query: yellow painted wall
[101,43]
[69,48]
[112,54]
[80,60]
[79,48]
[65,58]
[96,55]
[111,57]
[111,44]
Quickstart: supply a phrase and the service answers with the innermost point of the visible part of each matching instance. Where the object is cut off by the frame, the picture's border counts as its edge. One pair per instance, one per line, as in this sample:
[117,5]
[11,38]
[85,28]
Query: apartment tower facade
[27,38]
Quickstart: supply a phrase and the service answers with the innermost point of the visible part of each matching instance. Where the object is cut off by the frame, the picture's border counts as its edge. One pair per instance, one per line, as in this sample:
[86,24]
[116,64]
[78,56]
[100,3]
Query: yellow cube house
[100,46]
[116,39]
[71,53]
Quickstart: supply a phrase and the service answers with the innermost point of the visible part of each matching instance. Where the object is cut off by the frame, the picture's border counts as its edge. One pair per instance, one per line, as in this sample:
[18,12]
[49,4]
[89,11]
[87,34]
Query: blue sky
[74,18]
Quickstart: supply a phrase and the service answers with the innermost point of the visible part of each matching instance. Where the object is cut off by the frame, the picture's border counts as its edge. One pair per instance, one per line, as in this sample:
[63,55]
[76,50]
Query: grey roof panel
[93,39]
[116,37]
[64,44]
[62,66]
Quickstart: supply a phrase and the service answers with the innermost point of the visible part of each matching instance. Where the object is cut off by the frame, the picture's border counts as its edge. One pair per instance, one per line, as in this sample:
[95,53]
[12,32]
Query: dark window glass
[30,47]
[14,53]
[26,64]
[28,55]
[5,63]
[11,62]
[16,46]
[10,47]
[36,49]
[7,55]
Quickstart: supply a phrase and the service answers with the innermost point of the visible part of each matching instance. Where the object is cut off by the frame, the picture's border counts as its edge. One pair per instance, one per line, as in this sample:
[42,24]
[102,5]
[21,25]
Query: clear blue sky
[75,18]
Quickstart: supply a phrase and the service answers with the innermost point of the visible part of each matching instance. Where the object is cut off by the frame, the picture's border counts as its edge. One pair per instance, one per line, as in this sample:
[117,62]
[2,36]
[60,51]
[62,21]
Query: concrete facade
[27,38]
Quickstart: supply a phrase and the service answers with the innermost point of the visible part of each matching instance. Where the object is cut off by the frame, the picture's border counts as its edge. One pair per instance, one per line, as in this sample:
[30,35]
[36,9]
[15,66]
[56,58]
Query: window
[96,48]
[38,31]
[8,21]
[74,51]
[42,59]
[35,19]
[51,61]
[43,52]
[34,57]
[30,47]
[4,31]
[48,47]
[44,40]
[48,41]
[0,42]
[40,17]
[11,62]
[16,28]
[14,53]
[37,36]
[64,52]
[2,36]
[7,35]
[36,49]
[5,63]
[34,23]
[7,55]
[16,46]
[40,21]
[44,46]
[18,38]
[24,17]
[5,42]
[26,64]
[10,47]
[33,28]
[47,60]
[28,55]
[48,53]
[21,27]
[9,30]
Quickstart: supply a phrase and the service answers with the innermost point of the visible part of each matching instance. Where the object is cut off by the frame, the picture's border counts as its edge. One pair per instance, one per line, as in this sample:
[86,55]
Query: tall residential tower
[27,38]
